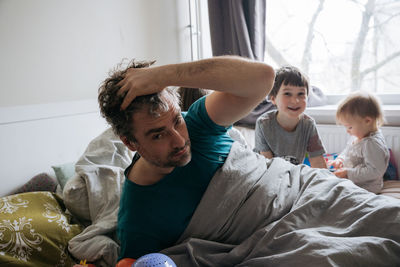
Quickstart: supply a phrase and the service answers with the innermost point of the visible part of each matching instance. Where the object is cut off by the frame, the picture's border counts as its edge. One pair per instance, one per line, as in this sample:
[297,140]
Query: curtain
[237,27]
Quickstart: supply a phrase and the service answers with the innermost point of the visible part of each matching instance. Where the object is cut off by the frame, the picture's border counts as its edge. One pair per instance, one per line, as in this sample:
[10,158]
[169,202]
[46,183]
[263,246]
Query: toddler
[287,132]
[366,155]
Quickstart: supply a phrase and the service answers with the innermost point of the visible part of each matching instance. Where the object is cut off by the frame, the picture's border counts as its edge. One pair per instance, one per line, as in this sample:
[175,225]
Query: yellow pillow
[35,230]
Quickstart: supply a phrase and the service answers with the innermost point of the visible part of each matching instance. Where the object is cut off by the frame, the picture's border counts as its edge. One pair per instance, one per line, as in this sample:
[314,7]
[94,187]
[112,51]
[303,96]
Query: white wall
[53,50]
[35,137]
[53,56]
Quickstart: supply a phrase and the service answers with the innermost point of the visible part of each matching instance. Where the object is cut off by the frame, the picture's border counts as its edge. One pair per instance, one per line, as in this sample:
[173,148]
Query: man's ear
[131,145]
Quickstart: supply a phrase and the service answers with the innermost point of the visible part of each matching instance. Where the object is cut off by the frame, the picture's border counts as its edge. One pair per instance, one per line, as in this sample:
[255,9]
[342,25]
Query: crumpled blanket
[260,212]
[92,196]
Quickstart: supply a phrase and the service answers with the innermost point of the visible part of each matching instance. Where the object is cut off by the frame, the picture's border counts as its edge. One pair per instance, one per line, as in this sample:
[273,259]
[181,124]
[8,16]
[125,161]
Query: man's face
[162,141]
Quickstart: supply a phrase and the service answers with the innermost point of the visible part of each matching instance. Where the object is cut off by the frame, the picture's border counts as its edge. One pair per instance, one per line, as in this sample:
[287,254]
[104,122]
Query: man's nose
[177,139]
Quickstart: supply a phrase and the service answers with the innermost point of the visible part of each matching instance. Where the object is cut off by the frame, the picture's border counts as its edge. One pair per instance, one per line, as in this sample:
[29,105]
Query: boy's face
[291,101]
[162,141]
[357,126]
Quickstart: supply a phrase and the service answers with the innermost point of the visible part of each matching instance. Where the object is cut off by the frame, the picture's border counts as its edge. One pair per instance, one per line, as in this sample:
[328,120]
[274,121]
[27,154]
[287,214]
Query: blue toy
[154,260]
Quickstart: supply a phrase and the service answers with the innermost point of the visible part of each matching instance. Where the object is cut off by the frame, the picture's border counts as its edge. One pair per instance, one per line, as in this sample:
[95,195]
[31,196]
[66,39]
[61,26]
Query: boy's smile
[294,109]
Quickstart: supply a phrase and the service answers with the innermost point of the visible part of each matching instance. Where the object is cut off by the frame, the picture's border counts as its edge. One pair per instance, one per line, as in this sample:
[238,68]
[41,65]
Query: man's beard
[181,161]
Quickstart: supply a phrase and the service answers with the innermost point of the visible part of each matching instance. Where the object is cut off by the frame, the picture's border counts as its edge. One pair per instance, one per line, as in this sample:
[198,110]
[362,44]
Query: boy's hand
[341,173]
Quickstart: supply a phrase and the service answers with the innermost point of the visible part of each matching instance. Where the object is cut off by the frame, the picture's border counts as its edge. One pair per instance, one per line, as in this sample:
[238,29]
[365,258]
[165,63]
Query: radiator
[335,138]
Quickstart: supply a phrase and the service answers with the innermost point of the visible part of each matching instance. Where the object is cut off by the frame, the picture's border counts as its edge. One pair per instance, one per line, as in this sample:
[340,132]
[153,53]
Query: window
[343,45]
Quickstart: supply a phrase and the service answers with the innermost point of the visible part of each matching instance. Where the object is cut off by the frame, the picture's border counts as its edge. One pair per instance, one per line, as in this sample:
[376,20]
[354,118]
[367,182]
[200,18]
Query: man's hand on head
[138,82]
[240,84]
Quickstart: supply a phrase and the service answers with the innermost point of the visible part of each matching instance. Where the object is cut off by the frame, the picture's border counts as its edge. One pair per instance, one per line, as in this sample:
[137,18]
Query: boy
[287,132]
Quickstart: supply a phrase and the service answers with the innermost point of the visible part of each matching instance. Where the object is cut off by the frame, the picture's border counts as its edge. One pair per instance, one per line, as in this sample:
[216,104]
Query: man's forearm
[229,74]
[239,84]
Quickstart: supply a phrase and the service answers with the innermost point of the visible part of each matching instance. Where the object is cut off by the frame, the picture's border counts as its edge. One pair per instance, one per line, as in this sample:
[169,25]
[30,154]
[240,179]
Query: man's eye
[157,136]
[179,120]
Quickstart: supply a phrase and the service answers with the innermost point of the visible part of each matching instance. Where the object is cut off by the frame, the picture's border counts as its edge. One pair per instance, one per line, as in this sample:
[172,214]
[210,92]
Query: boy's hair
[289,75]
[110,103]
[361,104]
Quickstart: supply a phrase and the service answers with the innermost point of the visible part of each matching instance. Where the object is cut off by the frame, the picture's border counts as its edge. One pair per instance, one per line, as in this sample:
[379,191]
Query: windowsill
[326,114]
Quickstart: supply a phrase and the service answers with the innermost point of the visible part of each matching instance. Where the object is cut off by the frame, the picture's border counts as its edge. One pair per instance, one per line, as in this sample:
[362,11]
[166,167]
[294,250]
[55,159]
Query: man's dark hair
[110,102]
[289,75]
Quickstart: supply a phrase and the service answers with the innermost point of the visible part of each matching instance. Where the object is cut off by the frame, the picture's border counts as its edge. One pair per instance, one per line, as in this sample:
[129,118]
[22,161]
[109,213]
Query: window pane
[342,45]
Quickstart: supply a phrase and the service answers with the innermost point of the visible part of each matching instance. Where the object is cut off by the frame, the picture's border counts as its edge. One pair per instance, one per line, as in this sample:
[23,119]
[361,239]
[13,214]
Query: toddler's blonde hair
[361,104]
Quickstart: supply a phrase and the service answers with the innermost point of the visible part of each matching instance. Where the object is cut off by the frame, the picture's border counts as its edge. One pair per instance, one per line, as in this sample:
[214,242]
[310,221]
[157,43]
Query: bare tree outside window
[343,45]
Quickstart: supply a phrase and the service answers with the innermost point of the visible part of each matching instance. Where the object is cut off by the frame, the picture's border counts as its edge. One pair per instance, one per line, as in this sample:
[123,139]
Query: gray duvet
[259,212]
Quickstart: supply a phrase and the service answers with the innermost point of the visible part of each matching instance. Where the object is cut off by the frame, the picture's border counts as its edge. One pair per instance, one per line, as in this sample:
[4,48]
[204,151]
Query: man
[178,154]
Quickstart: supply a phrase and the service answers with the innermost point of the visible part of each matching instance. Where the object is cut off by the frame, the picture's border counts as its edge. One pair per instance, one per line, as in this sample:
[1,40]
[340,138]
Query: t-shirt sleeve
[207,138]
[315,147]
[198,120]
[260,142]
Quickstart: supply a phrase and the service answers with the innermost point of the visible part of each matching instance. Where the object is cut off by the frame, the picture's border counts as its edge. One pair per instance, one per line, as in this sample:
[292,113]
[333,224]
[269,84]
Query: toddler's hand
[341,173]
[337,163]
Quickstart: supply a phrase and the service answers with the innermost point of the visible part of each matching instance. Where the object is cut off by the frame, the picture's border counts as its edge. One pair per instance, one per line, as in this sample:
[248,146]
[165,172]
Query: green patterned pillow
[34,230]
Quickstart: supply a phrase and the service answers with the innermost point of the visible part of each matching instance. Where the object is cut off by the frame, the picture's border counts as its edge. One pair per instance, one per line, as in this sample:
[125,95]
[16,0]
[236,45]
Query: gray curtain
[237,27]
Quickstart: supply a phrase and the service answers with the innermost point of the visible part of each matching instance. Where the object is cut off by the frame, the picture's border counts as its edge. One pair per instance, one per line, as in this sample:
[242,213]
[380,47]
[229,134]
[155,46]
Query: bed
[272,213]
[58,222]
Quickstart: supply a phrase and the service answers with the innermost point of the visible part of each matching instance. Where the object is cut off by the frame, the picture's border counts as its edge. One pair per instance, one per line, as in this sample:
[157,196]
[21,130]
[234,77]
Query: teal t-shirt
[153,217]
